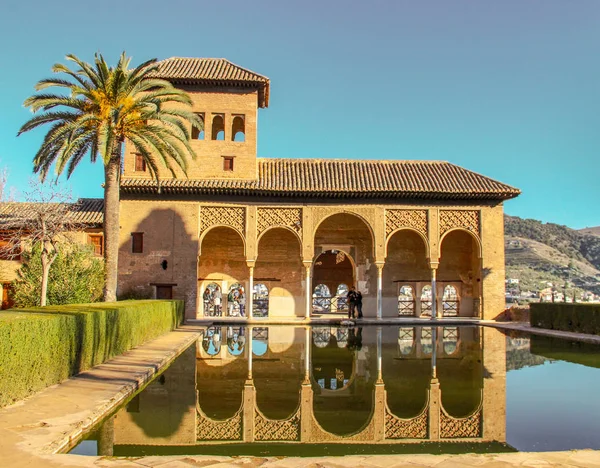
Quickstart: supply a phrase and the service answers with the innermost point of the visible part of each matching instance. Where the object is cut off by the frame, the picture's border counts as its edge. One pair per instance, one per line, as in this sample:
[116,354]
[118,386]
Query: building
[298,231]
[87,214]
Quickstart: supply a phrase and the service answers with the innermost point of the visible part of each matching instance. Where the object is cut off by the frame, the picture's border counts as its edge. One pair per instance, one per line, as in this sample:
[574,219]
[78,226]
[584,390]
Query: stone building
[415,237]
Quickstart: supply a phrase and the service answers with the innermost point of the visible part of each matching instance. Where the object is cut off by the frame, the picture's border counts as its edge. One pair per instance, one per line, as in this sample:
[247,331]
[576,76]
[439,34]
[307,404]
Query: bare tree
[45,219]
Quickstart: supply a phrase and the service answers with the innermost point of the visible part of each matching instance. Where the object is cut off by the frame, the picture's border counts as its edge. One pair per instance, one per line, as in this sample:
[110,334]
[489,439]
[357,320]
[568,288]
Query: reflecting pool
[283,390]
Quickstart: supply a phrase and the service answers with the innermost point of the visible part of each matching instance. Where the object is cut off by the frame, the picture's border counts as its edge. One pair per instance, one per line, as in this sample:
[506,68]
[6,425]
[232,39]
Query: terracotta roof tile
[319,178]
[88,211]
[212,71]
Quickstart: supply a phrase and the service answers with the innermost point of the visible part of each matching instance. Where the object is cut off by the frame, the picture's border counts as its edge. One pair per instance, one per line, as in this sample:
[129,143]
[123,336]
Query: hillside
[538,253]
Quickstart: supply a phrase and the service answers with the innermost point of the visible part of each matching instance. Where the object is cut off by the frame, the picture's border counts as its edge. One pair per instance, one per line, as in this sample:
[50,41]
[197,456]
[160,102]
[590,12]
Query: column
[433,292]
[106,438]
[434,392]
[308,288]
[307,354]
[379,289]
[306,394]
[379,356]
[249,351]
[250,293]
[379,410]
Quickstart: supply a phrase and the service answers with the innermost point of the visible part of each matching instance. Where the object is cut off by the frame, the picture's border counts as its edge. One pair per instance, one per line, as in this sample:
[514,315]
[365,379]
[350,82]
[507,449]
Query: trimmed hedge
[43,346]
[582,318]
[578,352]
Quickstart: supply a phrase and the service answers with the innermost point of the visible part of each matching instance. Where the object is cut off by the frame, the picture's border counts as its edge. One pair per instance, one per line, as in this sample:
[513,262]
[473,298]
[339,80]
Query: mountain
[594,231]
[538,253]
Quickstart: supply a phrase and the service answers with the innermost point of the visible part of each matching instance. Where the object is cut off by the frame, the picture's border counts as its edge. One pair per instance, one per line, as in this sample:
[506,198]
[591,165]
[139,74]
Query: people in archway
[242,301]
[358,300]
[206,300]
[354,339]
[231,299]
[351,296]
[217,298]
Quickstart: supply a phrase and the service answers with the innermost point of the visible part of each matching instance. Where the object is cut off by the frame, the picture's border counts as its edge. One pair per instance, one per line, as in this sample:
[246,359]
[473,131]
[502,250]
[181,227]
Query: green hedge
[578,352]
[583,318]
[43,346]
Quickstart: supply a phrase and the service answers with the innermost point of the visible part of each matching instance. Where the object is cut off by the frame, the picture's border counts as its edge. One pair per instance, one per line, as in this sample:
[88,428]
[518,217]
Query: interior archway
[331,269]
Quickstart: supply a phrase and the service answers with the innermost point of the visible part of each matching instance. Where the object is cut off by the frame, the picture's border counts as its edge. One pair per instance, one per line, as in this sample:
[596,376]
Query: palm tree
[102,108]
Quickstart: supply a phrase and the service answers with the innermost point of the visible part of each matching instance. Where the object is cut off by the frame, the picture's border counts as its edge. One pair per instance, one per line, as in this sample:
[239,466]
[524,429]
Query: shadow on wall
[158,255]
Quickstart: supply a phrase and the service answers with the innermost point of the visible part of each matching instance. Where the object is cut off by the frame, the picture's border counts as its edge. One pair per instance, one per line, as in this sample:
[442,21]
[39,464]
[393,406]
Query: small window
[228,163]
[218,127]
[97,242]
[238,128]
[198,134]
[137,242]
[140,163]
[164,292]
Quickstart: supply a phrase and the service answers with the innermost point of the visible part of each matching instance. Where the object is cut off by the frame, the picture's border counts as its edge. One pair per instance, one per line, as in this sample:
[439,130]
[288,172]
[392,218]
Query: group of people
[236,297]
[354,298]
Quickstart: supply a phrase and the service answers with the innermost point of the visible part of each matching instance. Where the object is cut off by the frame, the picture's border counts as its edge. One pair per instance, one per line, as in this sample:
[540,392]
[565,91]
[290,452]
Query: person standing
[358,302]
[206,299]
[230,303]
[351,296]
[242,302]
[217,298]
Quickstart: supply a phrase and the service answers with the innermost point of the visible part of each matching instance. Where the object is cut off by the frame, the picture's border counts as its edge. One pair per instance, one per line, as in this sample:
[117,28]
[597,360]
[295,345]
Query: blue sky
[510,89]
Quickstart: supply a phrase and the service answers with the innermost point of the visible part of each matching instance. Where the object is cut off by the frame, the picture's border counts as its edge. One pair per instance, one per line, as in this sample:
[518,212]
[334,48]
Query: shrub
[76,277]
[582,318]
[43,346]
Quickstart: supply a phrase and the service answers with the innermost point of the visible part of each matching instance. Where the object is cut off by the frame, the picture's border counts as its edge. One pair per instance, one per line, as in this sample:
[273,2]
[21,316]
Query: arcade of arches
[301,261]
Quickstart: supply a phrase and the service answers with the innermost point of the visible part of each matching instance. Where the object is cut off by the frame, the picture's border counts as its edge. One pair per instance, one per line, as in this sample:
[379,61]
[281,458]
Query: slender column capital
[307,263]
[251,263]
[434,264]
[379,265]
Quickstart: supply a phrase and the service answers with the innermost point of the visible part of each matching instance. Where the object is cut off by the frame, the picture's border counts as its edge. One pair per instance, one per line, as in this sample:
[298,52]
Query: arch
[406,301]
[211,341]
[450,339]
[426,340]
[260,300]
[471,233]
[351,213]
[211,300]
[235,293]
[198,134]
[238,128]
[260,341]
[218,127]
[419,233]
[236,340]
[204,233]
[406,340]
[288,228]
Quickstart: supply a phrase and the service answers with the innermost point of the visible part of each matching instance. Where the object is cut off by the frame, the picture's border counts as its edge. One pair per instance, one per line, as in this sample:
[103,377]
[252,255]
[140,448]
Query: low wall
[582,318]
[43,346]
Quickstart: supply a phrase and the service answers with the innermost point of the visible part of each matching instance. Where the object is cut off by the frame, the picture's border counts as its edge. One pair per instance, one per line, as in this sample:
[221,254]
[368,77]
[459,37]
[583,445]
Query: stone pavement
[526,328]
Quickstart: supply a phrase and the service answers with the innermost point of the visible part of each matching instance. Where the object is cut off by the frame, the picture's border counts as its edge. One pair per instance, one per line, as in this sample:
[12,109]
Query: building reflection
[325,385]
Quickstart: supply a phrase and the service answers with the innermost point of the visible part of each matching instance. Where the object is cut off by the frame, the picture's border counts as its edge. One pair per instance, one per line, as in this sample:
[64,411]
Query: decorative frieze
[460,428]
[413,219]
[398,428]
[277,430]
[209,429]
[464,219]
[285,217]
[233,216]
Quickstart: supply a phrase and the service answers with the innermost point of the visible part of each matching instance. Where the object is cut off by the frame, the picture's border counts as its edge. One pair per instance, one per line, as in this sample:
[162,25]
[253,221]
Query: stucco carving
[459,428]
[277,430]
[321,212]
[234,216]
[398,428]
[209,429]
[288,217]
[396,219]
[465,219]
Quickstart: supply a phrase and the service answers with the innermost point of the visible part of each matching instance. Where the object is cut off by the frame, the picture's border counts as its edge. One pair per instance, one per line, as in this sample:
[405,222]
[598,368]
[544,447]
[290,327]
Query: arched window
[238,128]
[406,301]
[426,301]
[341,336]
[218,127]
[212,299]
[321,336]
[341,298]
[211,342]
[236,301]
[406,340]
[260,300]
[198,134]
[236,340]
[450,302]
[260,340]
[450,338]
[321,298]
[426,341]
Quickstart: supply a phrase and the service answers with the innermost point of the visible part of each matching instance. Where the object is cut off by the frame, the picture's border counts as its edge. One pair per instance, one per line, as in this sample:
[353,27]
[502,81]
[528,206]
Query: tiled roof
[320,178]
[88,211]
[213,71]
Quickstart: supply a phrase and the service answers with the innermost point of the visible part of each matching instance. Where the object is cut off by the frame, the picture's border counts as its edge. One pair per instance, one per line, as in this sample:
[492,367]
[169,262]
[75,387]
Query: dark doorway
[164,292]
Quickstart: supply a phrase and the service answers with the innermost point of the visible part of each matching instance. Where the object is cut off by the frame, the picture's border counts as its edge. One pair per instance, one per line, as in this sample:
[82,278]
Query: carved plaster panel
[398,428]
[459,428]
[288,217]
[276,430]
[465,219]
[209,429]
[396,219]
[234,216]
[321,212]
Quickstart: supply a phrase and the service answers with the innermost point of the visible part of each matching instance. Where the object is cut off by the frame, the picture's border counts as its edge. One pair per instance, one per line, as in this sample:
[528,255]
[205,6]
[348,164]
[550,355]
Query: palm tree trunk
[111,226]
